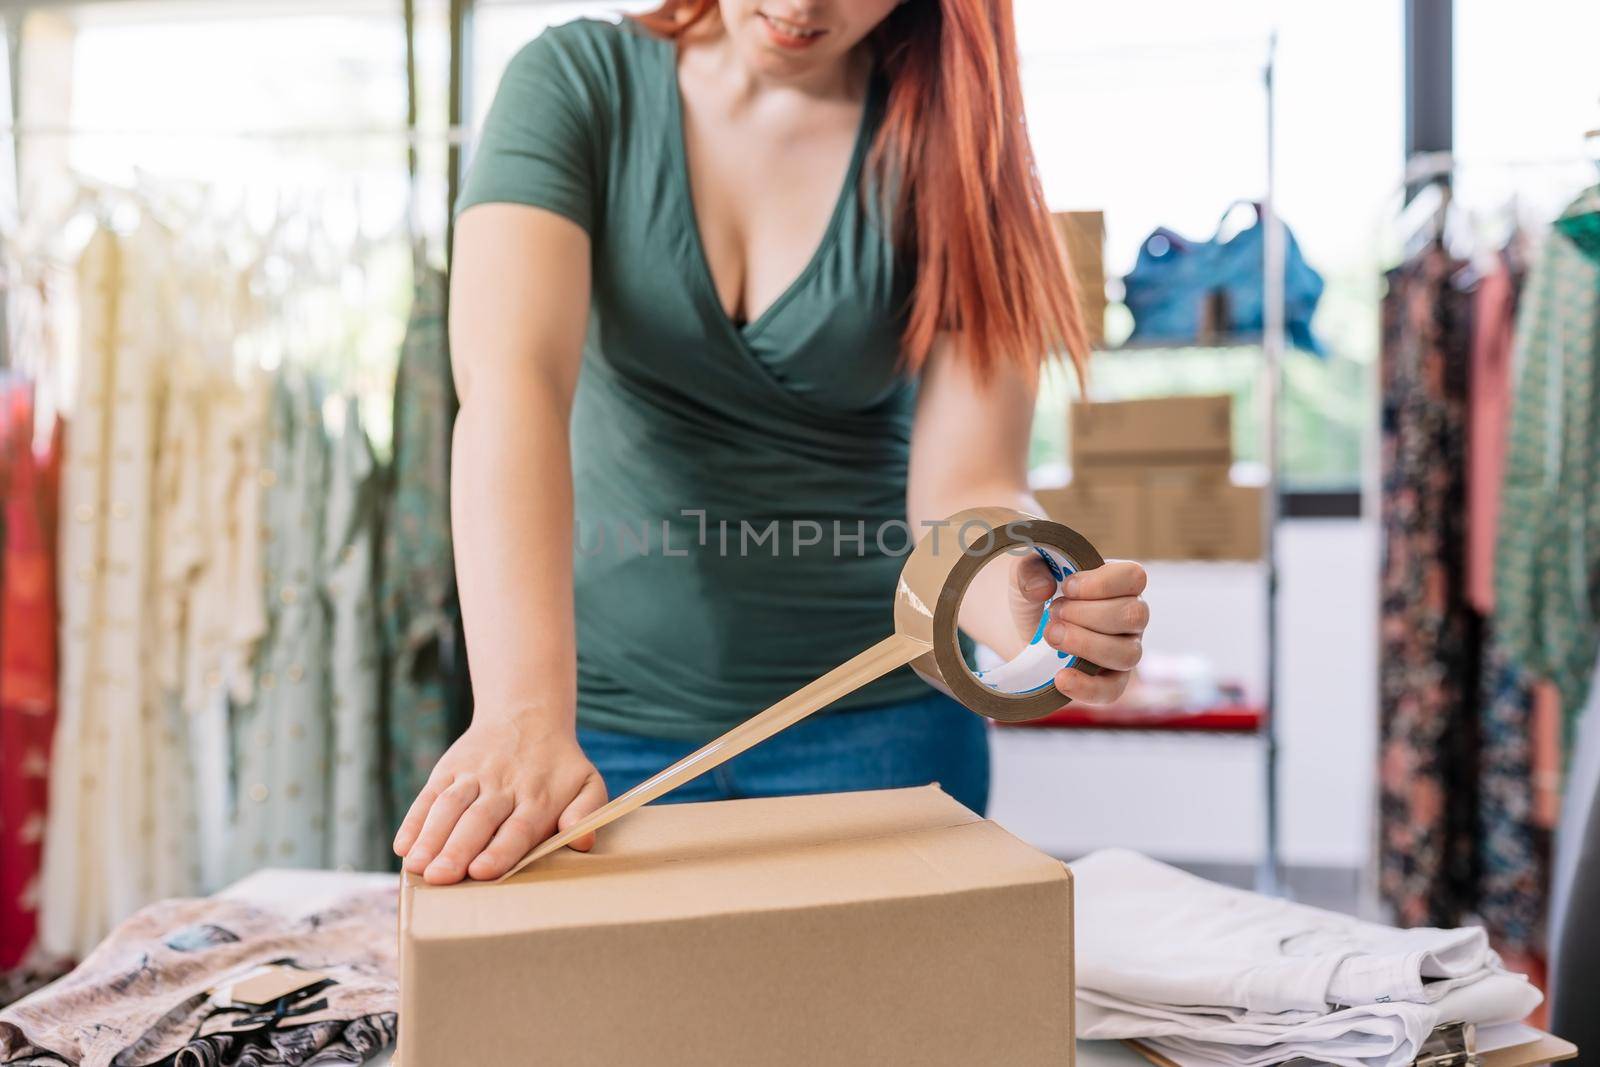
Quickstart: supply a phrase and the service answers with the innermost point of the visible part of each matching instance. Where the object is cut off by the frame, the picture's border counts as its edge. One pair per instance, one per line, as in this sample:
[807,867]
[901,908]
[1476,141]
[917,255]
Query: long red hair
[969,212]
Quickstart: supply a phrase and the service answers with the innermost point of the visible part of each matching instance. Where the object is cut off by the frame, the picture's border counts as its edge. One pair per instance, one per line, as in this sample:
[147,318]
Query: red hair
[969,211]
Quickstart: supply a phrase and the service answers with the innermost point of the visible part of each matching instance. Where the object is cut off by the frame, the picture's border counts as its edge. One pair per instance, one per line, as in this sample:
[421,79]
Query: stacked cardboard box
[1083,237]
[1151,481]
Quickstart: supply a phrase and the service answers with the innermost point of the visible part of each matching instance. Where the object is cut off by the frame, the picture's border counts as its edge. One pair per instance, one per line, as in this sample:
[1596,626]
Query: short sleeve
[538,144]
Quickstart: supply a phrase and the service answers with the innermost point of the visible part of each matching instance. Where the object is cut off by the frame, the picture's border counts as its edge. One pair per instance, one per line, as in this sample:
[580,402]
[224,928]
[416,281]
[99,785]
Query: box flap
[678,861]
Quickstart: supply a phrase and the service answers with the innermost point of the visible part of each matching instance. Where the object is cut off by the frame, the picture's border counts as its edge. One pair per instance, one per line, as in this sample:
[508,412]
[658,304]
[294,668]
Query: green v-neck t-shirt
[740,488]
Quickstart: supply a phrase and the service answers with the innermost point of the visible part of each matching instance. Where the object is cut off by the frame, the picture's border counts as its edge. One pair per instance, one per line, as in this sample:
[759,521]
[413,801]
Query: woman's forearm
[969,449]
[511,502]
[986,612]
[518,313]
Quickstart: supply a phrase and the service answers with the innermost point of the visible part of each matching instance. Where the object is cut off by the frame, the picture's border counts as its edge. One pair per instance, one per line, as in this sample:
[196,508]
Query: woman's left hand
[1100,617]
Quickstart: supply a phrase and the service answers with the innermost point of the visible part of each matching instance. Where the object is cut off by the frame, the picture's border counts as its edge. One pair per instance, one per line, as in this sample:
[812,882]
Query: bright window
[1155,112]
[1527,88]
[255,123]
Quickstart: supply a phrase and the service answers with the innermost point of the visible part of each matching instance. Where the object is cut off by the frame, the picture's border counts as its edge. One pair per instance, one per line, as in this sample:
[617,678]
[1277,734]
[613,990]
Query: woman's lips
[792,35]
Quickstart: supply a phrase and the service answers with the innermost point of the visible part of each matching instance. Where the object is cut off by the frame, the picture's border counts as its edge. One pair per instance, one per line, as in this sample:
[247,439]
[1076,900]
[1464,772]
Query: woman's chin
[774,61]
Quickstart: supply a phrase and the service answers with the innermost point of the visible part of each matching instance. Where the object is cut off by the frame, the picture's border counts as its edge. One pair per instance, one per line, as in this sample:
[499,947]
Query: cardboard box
[1083,237]
[1164,430]
[859,928]
[1204,522]
[1111,515]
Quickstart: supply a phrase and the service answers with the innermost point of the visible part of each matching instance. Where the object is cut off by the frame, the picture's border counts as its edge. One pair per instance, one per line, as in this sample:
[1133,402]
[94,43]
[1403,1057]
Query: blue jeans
[914,742]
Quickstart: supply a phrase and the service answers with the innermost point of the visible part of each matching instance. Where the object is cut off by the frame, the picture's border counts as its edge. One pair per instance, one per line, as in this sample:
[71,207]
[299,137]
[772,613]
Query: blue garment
[1191,292]
[931,738]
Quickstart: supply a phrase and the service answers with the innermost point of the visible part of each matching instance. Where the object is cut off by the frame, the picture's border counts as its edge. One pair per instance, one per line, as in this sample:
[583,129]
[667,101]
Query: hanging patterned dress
[359,834]
[421,617]
[1546,624]
[281,738]
[115,837]
[1428,641]
[27,668]
[1547,587]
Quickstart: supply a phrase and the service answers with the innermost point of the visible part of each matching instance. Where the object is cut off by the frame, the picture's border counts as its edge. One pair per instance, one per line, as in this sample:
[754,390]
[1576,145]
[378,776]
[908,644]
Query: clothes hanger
[1427,218]
[1592,140]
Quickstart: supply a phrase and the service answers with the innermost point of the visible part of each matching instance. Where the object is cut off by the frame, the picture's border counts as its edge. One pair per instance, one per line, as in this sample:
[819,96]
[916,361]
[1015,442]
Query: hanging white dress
[149,335]
[70,906]
[116,835]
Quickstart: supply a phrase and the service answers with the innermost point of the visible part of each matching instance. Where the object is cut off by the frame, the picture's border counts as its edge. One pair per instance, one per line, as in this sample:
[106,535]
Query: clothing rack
[1425,167]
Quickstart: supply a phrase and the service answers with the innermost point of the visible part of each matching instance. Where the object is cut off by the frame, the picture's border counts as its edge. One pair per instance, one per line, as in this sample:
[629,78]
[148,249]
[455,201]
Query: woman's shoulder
[597,54]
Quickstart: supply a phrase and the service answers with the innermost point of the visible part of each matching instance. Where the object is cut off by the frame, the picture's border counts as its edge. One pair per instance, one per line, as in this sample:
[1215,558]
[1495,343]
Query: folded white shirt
[1176,960]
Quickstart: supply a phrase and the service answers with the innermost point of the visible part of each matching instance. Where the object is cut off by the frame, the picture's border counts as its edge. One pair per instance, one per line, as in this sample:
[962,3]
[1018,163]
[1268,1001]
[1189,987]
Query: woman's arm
[519,307]
[969,448]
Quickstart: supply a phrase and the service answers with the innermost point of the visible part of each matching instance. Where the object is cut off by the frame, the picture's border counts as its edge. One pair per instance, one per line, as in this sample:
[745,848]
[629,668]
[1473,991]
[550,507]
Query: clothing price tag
[265,985]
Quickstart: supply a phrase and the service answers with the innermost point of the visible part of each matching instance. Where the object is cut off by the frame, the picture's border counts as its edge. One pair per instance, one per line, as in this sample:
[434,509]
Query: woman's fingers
[1122,615]
[1115,578]
[589,799]
[527,826]
[472,831]
[441,820]
[411,825]
[1102,688]
[1111,651]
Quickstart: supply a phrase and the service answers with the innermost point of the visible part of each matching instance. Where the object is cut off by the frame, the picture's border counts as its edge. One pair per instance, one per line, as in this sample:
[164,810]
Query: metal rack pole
[1269,878]
[408,14]
[460,109]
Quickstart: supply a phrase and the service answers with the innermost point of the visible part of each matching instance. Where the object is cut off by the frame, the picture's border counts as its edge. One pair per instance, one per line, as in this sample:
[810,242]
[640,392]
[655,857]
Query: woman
[799,250]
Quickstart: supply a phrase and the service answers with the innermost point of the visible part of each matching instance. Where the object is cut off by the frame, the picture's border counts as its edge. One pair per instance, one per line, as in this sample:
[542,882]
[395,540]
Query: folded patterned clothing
[144,996]
[1193,967]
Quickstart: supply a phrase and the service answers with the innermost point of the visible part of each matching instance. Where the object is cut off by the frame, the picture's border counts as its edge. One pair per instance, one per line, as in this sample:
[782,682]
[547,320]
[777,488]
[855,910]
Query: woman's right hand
[502,788]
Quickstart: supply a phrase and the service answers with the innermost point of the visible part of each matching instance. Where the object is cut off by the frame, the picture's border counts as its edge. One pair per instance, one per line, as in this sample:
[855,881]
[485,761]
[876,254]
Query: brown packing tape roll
[943,571]
[927,600]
